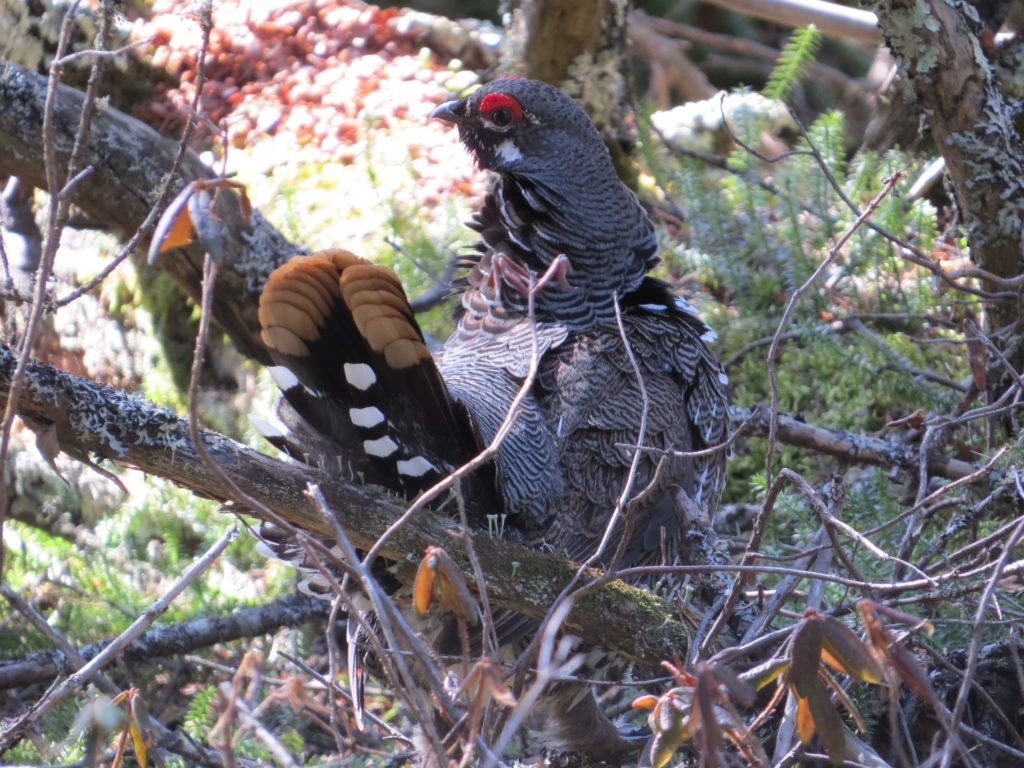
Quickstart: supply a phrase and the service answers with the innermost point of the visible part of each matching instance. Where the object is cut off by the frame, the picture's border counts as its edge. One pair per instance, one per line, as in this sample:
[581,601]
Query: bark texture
[129,162]
[938,47]
[578,45]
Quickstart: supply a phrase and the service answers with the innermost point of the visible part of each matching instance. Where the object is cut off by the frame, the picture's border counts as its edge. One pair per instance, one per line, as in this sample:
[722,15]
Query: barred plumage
[404,418]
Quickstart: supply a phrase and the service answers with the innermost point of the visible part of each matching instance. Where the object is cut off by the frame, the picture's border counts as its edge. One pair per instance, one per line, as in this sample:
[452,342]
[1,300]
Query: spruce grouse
[364,397]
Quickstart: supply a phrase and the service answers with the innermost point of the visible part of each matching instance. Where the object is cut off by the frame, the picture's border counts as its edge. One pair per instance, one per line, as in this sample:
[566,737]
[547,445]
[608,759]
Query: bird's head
[521,126]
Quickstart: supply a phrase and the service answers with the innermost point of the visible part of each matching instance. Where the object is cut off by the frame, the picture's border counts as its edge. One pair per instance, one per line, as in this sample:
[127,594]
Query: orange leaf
[423,586]
[804,720]
[843,650]
[647,701]
[180,232]
[174,228]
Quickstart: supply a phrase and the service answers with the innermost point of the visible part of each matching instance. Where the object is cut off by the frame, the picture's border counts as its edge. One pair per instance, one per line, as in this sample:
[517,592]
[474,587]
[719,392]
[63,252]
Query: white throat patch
[508,151]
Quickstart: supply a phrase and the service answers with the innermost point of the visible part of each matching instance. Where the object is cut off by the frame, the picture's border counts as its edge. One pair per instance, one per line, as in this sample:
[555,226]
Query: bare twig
[55,213]
[858,448]
[163,195]
[797,294]
[1009,551]
[390,621]
[248,720]
[13,732]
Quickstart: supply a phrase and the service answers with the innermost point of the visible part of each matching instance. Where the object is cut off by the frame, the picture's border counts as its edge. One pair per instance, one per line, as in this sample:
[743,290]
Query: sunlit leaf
[765,673]
[846,650]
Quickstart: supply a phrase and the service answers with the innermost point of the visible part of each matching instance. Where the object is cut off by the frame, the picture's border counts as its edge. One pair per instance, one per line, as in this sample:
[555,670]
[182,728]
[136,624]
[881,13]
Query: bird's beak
[450,111]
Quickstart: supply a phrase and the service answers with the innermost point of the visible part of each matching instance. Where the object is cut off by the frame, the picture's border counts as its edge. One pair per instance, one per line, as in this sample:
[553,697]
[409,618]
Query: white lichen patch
[698,124]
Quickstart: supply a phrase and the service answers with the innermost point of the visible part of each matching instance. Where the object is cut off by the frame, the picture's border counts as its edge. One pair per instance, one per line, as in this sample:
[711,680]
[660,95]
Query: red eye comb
[494,101]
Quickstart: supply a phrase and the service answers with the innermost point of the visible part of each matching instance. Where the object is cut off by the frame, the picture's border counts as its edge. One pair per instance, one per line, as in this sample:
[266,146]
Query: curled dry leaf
[438,576]
[898,658]
[190,216]
[486,682]
[844,651]
[701,709]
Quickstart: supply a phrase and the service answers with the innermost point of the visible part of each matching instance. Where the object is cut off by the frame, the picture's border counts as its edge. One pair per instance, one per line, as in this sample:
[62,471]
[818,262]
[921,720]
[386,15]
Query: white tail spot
[360,376]
[415,467]
[722,377]
[683,306]
[709,336]
[366,417]
[283,377]
[382,447]
[267,428]
[654,307]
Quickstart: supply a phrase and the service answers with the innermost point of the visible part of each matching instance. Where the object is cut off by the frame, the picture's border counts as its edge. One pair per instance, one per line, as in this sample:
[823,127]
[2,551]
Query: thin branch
[794,299]
[1009,551]
[13,732]
[169,640]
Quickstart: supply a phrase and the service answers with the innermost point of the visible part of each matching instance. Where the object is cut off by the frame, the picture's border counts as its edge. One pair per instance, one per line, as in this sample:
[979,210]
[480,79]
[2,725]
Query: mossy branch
[92,421]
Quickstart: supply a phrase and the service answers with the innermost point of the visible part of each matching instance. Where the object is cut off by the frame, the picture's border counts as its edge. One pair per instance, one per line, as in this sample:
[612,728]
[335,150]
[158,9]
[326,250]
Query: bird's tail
[361,393]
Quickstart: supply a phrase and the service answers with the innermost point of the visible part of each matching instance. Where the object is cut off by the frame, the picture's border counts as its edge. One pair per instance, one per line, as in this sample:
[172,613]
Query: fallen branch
[833,19]
[290,611]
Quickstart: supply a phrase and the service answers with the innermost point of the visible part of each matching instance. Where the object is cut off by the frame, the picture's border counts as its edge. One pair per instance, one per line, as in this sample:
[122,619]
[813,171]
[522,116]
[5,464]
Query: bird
[626,406]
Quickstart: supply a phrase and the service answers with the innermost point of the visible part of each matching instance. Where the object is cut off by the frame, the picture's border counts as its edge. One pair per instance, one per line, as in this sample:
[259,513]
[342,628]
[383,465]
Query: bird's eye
[502,117]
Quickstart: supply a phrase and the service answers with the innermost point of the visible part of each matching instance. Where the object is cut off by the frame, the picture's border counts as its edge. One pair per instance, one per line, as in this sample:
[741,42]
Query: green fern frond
[794,61]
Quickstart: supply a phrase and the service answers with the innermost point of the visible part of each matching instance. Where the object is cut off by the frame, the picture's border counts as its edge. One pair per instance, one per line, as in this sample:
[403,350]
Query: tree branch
[129,161]
[289,611]
[862,449]
[92,420]
[831,18]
